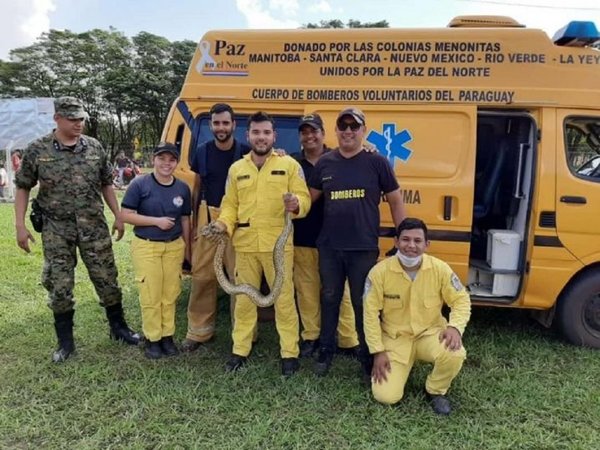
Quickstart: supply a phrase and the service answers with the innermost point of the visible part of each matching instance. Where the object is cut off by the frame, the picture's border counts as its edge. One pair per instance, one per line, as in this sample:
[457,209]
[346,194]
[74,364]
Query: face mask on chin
[409,261]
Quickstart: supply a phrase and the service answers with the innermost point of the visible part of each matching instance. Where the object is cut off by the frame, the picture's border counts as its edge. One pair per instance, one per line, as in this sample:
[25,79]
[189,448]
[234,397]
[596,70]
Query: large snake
[214,234]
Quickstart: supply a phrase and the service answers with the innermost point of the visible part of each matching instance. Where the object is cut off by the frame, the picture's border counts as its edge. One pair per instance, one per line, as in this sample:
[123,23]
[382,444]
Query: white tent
[21,121]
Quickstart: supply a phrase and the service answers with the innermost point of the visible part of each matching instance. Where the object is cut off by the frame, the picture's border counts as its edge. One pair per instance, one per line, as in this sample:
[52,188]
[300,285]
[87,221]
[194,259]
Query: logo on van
[391,144]
[207,65]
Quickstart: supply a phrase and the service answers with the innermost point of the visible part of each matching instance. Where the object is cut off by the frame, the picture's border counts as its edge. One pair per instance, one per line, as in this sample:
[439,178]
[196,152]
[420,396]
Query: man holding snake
[261,188]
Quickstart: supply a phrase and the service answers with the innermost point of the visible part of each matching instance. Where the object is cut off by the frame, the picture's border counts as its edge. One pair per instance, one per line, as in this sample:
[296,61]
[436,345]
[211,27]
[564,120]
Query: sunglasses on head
[343,126]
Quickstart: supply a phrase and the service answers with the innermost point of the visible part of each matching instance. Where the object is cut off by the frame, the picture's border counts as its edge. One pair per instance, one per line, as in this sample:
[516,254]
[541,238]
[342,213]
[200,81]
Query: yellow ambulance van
[493,131]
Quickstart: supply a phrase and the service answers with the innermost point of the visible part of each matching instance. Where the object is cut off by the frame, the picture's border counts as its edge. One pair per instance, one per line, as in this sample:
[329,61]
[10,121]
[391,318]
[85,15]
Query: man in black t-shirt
[211,163]
[351,182]
[307,282]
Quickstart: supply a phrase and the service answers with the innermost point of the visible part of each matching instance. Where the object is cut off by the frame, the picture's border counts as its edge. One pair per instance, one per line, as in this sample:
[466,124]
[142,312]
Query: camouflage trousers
[61,239]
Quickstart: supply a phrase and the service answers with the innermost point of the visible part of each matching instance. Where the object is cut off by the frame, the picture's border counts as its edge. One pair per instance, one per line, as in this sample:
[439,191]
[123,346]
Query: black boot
[119,330]
[168,346]
[153,350]
[63,324]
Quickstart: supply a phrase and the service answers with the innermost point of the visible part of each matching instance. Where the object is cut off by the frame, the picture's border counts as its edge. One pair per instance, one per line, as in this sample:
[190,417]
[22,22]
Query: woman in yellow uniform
[159,206]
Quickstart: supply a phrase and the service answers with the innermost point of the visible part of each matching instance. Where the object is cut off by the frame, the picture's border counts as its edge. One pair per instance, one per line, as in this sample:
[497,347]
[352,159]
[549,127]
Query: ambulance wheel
[579,311]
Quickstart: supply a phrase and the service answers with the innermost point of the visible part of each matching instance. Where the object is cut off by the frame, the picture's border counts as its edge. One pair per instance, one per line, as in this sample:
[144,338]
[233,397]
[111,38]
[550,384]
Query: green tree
[336,23]
[127,85]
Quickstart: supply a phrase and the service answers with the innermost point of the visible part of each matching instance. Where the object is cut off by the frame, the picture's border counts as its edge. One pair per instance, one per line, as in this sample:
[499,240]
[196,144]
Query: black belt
[164,241]
[243,225]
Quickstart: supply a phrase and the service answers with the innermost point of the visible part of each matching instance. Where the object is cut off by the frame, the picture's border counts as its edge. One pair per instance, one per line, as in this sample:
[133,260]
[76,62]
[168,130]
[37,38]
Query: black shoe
[153,350]
[119,331]
[168,346]
[235,363]
[348,352]
[440,404]
[189,345]
[63,325]
[366,380]
[307,348]
[323,362]
[289,366]
[366,370]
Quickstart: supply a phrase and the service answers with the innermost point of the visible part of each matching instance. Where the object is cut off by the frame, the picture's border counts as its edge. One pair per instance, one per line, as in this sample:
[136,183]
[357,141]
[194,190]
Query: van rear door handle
[447,207]
[573,199]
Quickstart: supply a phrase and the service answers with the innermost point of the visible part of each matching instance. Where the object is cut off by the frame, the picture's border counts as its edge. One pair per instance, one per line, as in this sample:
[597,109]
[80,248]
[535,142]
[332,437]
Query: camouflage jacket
[70,180]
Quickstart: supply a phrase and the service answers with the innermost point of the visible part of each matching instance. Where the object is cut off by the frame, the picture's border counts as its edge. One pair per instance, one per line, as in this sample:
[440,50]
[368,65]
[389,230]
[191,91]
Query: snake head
[212,232]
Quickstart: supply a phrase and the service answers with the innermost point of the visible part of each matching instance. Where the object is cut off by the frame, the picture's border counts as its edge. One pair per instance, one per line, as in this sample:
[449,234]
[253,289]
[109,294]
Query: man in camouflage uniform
[74,174]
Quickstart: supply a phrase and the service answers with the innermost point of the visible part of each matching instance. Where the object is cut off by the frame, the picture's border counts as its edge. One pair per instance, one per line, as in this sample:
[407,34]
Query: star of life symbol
[391,144]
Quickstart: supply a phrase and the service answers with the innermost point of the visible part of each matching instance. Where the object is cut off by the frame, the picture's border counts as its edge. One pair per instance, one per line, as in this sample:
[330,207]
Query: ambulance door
[578,184]
[432,151]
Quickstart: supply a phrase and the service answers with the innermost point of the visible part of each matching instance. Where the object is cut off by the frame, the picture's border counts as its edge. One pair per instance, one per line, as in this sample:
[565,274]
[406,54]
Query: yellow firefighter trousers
[202,304]
[446,365]
[249,269]
[157,267]
[307,284]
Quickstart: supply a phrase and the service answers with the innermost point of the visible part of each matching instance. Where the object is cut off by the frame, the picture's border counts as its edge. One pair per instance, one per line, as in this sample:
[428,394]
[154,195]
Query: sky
[22,21]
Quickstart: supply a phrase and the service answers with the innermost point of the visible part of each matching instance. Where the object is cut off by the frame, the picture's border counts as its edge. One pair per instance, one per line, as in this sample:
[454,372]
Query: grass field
[521,387]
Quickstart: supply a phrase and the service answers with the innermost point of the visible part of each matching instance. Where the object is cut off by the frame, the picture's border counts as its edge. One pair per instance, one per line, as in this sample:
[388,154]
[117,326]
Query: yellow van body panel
[429,89]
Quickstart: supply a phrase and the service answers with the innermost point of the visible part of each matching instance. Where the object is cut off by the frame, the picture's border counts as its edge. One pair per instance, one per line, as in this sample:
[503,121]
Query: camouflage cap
[69,107]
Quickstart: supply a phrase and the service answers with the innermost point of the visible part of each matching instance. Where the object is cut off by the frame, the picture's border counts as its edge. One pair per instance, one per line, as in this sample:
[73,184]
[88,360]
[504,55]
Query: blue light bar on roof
[577,34]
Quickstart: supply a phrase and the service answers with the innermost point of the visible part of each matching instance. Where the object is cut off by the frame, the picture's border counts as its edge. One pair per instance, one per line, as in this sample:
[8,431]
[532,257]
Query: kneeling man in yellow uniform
[403,321]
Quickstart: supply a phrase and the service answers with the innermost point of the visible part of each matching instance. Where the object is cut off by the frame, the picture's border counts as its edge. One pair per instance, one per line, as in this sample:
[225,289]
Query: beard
[262,151]
[222,137]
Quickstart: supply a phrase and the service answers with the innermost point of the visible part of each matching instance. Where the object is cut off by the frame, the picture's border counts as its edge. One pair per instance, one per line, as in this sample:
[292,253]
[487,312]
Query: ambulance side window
[285,126]
[582,143]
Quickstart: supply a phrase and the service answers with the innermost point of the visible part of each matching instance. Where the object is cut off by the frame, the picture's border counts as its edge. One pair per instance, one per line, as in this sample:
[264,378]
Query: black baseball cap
[355,113]
[312,120]
[166,147]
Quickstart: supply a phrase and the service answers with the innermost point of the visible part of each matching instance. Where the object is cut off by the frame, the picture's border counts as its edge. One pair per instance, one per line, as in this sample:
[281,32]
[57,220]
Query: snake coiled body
[253,294]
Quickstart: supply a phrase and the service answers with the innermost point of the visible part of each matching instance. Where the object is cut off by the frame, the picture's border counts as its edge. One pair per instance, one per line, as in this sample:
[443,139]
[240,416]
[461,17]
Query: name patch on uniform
[277,172]
[327,178]
[456,283]
[391,296]
[243,177]
[347,194]
[178,201]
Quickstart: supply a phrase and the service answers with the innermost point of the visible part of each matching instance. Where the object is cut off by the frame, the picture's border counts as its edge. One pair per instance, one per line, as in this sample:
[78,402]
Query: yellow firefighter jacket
[253,209]
[399,308]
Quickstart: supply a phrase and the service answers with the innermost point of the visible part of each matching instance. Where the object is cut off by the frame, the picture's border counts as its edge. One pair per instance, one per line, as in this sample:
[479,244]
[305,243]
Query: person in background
[3,180]
[159,206]
[15,159]
[121,162]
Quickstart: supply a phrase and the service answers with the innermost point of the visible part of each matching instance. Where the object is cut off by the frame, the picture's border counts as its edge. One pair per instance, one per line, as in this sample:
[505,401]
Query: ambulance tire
[579,311]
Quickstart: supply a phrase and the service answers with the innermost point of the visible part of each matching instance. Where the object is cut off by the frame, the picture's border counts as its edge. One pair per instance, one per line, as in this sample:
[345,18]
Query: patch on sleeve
[456,283]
